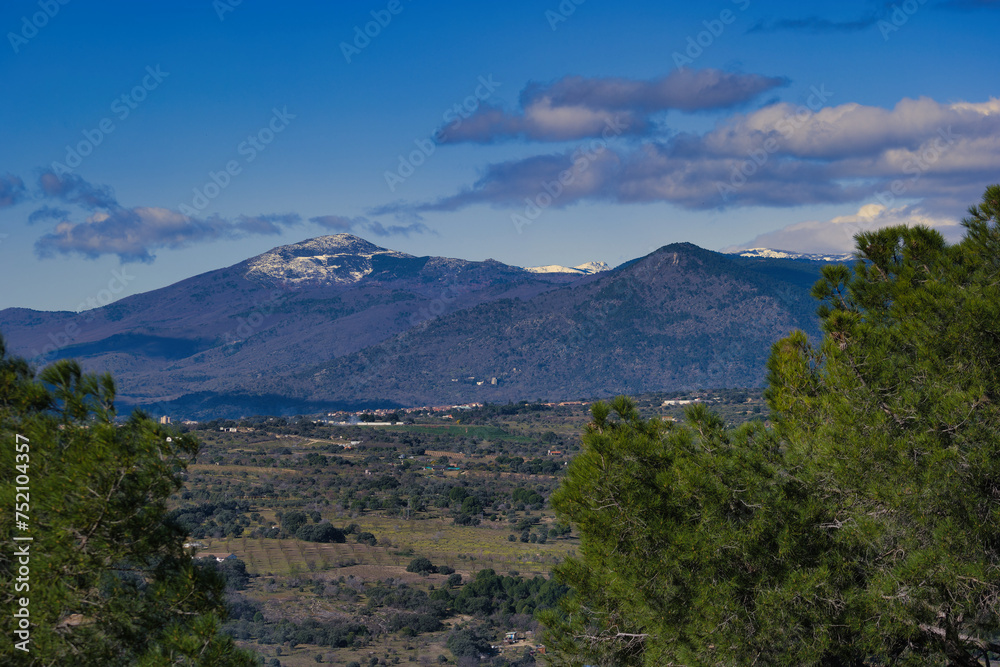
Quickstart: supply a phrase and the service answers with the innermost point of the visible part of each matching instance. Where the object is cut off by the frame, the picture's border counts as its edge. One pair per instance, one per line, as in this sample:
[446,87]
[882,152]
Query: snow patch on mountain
[337,259]
[583,269]
[770,253]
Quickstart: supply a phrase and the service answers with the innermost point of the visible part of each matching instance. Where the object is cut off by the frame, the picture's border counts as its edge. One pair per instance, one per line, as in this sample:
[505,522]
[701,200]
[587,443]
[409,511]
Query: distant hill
[770,253]
[679,318]
[583,269]
[338,322]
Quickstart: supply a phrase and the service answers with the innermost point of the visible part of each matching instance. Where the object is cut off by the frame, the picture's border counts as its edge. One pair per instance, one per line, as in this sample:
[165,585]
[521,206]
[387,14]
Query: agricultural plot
[326,523]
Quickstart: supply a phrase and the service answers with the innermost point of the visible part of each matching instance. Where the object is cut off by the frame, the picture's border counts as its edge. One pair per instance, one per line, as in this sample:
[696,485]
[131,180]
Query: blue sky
[142,143]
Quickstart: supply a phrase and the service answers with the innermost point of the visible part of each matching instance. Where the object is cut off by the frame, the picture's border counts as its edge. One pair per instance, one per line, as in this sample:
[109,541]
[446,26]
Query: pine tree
[862,528]
[109,582]
[896,417]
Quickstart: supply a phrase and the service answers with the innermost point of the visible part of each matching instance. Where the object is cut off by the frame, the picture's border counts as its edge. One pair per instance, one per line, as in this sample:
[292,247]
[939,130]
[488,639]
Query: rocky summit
[326,260]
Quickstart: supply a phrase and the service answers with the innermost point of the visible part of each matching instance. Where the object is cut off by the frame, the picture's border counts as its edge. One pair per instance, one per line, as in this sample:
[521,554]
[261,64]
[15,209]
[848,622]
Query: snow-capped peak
[335,259]
[770,253]
[583,269]
[593,267]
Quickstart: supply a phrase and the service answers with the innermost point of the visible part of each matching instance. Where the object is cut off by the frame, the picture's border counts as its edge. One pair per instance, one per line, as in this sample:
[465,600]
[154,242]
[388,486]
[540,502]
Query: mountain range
[582,269]
[771,253]
[338,322]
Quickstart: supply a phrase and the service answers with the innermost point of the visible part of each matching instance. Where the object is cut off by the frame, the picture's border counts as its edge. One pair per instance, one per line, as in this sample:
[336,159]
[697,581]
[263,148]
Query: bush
[471,505]
[292,521]
[470,642]
[324,532]
[235,573]
[421,565]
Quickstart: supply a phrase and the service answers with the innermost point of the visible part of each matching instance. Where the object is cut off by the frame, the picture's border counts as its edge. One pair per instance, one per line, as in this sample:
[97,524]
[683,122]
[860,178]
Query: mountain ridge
[586,268]
[341,321]
[772,253]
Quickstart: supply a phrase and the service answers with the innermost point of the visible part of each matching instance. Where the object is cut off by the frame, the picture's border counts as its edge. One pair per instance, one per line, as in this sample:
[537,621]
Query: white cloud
[779,155]
[837,234]
[577,107]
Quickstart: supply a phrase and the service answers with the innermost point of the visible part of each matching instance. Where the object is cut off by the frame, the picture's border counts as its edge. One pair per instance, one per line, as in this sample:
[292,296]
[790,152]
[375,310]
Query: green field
[467,549]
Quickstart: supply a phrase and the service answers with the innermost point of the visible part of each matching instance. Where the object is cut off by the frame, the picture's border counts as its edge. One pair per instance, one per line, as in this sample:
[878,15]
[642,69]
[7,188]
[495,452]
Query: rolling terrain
[337,321]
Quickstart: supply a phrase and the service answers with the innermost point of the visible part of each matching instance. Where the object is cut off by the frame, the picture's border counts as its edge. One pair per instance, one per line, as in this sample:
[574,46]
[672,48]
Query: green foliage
[680,525]
[323,532]
[862,529]
[470,643]
[896,415]
[491,593]
[110,583]
[233,571]
[317,460]
[527,497]
[246,624]
[292,521]
[458,494]
[421,565]
[471,505]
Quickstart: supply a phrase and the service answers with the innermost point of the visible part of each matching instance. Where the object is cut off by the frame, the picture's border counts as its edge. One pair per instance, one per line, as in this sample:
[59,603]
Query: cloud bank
[837,234]
[779,155]
[135,233]
[12,190]
[576,107]
[818,25]
[361,224]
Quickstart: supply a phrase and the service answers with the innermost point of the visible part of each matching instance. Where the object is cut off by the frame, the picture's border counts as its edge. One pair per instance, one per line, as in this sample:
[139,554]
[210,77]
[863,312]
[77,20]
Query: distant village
[394,416]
